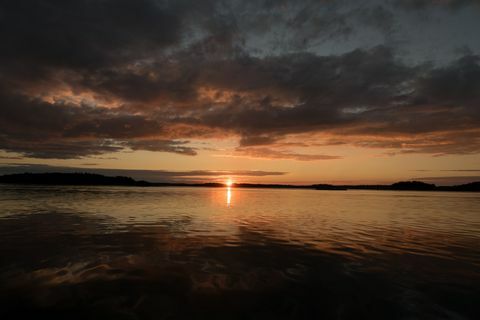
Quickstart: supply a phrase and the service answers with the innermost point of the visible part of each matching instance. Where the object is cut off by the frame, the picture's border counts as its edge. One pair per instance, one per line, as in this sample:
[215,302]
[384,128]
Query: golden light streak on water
[229,196]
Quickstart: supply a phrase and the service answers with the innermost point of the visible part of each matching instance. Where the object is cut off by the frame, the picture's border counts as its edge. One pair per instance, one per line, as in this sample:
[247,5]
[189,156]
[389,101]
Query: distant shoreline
[89,179]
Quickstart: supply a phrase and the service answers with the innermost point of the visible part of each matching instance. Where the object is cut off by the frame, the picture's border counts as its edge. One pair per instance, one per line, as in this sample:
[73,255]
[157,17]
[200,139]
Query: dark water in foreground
[190,253]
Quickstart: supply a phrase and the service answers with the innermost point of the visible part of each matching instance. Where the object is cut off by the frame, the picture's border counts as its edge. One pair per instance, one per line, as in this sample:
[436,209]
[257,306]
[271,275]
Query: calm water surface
[195,253]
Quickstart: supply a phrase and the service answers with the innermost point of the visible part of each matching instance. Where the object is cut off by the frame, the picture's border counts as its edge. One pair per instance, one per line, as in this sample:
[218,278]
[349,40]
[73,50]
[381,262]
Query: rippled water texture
[189,253]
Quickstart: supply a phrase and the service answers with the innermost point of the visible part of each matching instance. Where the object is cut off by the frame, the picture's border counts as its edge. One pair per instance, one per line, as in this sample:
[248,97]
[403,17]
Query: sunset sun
[229,182]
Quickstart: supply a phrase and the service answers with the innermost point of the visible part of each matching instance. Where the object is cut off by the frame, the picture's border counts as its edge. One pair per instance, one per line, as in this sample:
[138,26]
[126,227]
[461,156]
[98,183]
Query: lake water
[197,253]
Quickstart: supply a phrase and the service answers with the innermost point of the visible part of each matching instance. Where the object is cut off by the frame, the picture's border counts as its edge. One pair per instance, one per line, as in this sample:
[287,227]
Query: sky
[282,91]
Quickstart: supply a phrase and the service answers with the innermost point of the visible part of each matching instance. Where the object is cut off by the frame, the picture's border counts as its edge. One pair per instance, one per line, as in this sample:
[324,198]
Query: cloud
[268,153]
[84,34]
[424,4]
[58,149]
[81,79]
[269,99]
[162,146]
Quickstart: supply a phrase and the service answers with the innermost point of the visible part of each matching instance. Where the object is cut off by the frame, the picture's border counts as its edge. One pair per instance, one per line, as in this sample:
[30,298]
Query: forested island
[90,179]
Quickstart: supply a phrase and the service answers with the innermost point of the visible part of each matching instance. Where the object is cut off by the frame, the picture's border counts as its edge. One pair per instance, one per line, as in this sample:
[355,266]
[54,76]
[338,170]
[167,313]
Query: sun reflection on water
[229,196]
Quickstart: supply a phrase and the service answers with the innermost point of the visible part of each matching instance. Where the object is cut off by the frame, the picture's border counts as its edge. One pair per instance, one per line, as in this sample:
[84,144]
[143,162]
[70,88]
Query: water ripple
[194,252]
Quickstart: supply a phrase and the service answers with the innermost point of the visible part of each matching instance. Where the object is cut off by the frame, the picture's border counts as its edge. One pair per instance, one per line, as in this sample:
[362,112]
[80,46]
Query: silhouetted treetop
[412,185]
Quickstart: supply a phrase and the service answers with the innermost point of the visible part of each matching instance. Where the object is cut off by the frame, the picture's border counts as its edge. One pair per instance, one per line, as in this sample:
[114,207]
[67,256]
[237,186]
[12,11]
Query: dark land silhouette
[91,179]
[70,179]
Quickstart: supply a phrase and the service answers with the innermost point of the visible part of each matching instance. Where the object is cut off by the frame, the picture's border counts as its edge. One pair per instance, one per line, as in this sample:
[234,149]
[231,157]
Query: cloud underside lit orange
[172,82]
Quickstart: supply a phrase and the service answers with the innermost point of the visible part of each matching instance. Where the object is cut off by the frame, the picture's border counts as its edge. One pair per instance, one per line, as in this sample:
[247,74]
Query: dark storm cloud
[455,85]
[83,78]
[59,148]
[42,129]
[302,92]
[163,146]
[24,116]
[84,33]
[362,93]
[425,4]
